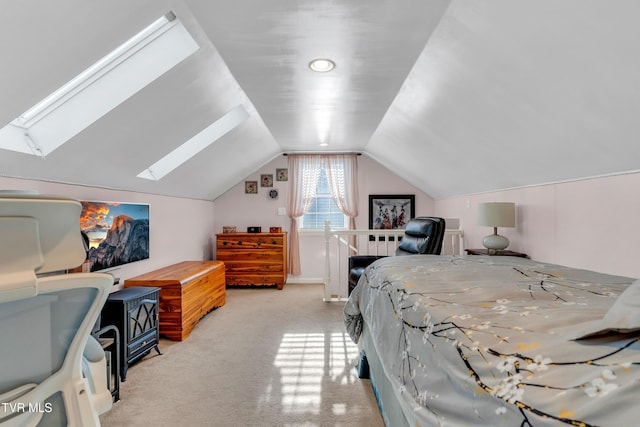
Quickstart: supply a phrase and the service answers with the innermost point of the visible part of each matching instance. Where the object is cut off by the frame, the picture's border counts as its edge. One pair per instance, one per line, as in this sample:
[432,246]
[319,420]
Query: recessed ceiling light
[322,65]
[324,144]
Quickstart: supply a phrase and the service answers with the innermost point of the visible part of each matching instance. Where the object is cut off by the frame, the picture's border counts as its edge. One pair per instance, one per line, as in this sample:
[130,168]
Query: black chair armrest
[357,264]
[361,261]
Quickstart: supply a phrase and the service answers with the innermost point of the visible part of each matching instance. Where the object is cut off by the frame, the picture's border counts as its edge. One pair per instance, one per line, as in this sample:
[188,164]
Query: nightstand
[495,253]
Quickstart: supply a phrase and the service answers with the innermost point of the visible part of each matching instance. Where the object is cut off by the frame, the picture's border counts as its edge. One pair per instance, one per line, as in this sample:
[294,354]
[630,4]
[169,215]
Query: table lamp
[496,214]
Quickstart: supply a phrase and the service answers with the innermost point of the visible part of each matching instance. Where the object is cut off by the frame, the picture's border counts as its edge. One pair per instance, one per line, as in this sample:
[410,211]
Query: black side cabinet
[134,311]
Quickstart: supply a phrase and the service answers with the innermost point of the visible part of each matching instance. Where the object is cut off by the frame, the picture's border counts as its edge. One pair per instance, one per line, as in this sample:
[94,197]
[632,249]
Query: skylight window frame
[30,133]
[195,144]
[96,71]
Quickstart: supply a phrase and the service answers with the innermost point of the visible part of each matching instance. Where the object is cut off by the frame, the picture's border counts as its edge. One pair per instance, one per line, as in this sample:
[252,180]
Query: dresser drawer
[230,255]
[253,267]
[250,242]
[254,279]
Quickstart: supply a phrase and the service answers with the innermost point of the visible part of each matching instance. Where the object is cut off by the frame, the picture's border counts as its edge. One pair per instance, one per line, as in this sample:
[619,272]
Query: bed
[500,341]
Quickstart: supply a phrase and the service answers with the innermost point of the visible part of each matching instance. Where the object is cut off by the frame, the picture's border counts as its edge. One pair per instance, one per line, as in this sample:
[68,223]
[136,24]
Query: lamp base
[495,242]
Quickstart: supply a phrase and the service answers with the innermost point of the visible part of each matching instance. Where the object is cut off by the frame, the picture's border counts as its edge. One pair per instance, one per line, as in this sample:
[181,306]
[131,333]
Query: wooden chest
[253,258]
[188,291]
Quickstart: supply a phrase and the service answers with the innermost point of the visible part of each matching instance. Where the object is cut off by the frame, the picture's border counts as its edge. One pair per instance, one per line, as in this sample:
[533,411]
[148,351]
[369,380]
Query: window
[100,88]
[323,207]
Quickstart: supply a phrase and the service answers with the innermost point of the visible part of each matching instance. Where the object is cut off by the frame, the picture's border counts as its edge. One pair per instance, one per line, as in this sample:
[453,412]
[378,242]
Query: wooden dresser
[253,258]
[188,291]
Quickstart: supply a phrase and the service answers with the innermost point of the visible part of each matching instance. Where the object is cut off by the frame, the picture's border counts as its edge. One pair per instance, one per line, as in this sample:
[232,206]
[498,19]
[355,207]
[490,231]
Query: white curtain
[304,171]
[342,177]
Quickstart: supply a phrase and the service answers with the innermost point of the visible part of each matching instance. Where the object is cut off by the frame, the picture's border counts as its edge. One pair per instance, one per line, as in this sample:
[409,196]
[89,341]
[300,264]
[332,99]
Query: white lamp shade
[497,214]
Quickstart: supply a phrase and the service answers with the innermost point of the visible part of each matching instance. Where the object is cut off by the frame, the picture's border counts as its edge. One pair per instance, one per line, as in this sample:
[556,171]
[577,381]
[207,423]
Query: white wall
[242,210]
[591,224]
[179,229]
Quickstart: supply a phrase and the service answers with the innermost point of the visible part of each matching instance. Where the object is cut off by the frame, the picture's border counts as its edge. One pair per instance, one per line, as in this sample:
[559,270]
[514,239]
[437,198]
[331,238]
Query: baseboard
[296,280]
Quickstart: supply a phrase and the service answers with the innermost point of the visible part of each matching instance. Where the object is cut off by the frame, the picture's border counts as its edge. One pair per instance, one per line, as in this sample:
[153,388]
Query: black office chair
[422,236]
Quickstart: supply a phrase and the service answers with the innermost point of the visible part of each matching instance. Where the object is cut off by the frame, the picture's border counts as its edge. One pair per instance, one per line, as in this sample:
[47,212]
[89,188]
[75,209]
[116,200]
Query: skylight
[100,88]
[199,142]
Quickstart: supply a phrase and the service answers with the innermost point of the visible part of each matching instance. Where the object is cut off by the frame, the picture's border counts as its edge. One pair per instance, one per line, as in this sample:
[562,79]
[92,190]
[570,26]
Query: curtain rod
[323,152]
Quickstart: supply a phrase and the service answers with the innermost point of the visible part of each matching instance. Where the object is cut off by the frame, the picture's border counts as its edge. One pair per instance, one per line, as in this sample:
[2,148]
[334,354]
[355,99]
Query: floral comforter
[489,341]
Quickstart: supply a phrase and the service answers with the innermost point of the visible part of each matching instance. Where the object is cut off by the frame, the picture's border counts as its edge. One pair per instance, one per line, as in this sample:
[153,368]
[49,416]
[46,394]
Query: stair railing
[340,244]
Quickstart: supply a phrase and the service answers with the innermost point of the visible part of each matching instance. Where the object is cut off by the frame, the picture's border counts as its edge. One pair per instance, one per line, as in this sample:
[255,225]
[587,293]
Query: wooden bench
[188,291]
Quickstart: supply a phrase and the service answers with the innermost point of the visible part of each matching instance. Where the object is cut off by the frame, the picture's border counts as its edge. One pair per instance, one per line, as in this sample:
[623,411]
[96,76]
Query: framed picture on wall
[282,174]
[251,187]
[266,180]
[390,212]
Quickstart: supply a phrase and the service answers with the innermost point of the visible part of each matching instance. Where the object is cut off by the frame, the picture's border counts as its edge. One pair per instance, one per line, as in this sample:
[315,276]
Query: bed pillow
[622,317]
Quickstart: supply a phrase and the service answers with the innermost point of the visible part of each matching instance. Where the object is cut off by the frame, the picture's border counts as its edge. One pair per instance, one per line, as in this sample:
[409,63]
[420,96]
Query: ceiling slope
[374,45]
[457,97]
[63,40]
[518,93]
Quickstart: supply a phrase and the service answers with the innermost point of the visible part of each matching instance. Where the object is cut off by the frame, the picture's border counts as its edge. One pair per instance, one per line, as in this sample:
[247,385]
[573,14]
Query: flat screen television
[118,233]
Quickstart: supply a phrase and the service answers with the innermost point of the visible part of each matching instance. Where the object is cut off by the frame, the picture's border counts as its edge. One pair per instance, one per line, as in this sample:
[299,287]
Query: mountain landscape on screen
[118,233]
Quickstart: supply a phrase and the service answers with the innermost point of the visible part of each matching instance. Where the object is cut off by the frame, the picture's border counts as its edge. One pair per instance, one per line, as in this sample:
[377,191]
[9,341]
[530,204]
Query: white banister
[327,260]
[338,248]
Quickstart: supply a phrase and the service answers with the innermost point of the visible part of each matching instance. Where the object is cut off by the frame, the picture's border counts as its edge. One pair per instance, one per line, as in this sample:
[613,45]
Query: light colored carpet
[266,358]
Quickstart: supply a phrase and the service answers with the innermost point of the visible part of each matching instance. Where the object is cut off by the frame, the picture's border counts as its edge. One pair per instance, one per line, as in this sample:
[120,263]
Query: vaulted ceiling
[457,97]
